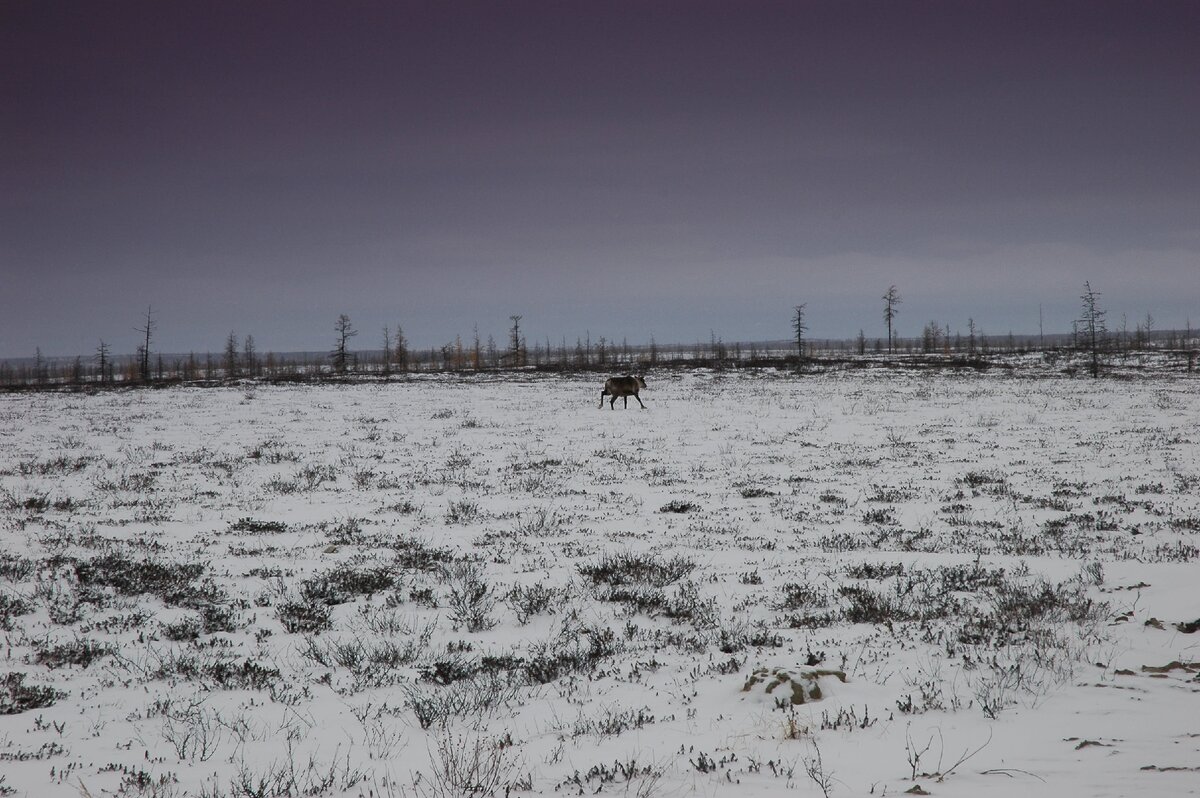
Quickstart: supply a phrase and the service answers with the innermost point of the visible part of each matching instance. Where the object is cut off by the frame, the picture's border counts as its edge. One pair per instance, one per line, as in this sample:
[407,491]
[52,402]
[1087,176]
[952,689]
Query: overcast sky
[632,169]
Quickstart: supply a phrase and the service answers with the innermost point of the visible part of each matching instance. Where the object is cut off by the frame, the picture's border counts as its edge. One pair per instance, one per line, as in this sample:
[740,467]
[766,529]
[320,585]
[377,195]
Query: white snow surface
[896,526]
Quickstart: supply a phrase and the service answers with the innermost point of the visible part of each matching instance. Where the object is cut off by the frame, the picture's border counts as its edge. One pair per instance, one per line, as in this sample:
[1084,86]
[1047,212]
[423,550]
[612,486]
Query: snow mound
[800,683]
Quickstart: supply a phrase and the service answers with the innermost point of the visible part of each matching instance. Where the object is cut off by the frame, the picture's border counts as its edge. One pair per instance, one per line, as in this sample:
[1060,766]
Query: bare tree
[1091,326]
[862,342]
[231,357]
[341,354]
[799,327]
[147,330]
[514,339]
[890,300]
[249,357]
[401,349]
[971,339]
[386,358]
[103,361]
[41,372]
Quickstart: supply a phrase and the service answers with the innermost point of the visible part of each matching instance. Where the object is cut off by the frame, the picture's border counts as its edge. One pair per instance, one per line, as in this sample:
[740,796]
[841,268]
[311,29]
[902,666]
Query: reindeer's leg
[612,402]
[625,399]
[603,393]
[635,396]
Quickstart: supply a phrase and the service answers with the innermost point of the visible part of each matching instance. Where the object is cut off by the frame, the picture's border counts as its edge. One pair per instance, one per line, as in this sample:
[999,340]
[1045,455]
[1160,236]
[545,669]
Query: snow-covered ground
[458,586]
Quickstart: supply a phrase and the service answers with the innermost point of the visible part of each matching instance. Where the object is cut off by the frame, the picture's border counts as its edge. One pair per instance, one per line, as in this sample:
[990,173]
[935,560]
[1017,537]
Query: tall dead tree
[103,361]
[1091,326]
[799,327]
[147,330]
[232,371]
[341,354]
[514,340]
[249,357]
[387,352]
[890,300]
[400,344]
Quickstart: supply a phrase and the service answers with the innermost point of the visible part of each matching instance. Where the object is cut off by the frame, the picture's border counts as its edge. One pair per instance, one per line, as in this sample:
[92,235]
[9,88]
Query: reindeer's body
[623,387]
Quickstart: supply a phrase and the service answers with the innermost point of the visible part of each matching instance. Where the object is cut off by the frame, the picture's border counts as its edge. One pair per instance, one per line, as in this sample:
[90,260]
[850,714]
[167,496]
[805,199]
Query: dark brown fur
[622,387]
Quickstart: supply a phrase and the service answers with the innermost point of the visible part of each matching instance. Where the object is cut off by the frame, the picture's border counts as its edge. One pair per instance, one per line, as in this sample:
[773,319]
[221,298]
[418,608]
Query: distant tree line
[240,358]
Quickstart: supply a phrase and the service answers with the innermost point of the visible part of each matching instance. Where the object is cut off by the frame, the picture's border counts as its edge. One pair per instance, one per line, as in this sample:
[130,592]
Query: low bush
[77,652]
[17,697]
[627,568]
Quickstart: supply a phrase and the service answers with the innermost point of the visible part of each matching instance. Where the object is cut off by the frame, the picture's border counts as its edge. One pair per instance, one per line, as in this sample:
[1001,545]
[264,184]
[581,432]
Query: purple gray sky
[632,169]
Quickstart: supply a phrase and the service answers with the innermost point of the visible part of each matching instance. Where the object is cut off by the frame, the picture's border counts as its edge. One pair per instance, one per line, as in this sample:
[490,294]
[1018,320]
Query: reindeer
[623,387]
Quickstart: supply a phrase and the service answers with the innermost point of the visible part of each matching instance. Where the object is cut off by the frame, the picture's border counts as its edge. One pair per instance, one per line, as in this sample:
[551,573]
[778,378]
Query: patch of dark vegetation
[312,610]
[172,582]
[888,495]
[614,722]
[226,673]
[619,772]
[864,605]
[977,479]
[348,532]
[1017,609]
[33,503]
[829,497]
[12,607]
[463,512]
[536,465]
[638,598]
[344,583]
[17,697]
[425,596]
[414,555]
[756,493]
[54,465]
[532,600]
[677,506]
[449,669]
[305,616]
[77,652]
[808,620]
[628,568]
[687,604]
[800,597]
[15,568]
[469,596]
[184,630]
[879,516]
[575,650]
[870,570]
[251,526]
[117,624]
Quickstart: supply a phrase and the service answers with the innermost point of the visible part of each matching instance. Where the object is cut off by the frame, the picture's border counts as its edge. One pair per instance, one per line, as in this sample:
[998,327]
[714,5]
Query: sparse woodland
[1088,348]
